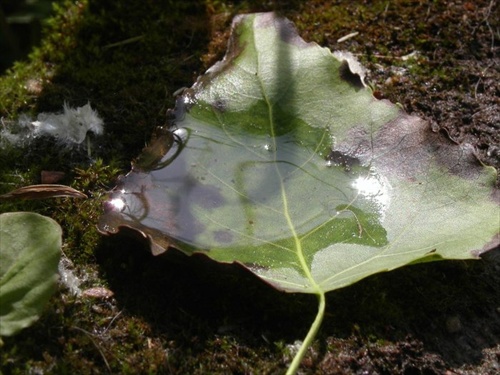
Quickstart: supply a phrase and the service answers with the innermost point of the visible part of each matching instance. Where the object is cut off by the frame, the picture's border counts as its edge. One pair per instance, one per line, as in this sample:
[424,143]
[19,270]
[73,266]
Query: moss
[178,315]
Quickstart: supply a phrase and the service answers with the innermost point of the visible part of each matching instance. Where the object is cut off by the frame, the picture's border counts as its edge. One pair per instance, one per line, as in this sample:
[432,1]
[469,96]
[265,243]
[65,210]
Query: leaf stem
[294,366]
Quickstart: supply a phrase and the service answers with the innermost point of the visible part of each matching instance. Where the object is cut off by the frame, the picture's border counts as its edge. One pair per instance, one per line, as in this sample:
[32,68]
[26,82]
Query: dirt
[177,315]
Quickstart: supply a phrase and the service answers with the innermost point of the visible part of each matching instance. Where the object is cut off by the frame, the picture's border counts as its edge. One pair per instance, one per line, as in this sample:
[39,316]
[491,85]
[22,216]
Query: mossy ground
[177,315]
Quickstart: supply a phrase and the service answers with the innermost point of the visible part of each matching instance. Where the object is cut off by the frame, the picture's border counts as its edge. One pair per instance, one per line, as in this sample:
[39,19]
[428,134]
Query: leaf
[283,161]
[280,159]
[43,191]
[30,248]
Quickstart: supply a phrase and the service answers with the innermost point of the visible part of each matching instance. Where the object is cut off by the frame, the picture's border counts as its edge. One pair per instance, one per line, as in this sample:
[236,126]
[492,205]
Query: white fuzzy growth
[68,277]
[70,126]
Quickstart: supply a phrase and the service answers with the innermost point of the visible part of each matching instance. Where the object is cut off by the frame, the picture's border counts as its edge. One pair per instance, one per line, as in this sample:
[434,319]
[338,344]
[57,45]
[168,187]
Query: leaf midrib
[298,244]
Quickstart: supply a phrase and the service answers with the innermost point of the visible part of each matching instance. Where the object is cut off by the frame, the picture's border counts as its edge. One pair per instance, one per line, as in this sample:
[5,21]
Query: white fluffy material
[70,126]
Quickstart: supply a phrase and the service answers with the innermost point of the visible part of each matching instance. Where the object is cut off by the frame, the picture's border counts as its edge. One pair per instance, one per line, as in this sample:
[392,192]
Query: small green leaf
[30,249]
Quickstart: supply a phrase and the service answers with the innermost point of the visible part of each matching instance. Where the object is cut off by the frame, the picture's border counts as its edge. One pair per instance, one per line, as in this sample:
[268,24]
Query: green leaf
[30,249]
[282,160]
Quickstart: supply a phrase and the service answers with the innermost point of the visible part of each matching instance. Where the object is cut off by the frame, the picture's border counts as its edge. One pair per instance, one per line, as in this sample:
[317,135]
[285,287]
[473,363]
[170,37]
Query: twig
[348,36]
[123,42]
[90,336]
[487,15]
[112,321]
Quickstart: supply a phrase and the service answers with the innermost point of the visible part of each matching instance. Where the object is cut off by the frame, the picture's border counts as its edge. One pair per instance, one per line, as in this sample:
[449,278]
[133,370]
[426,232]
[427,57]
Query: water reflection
[376,188]
[219,186]
[117,204]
